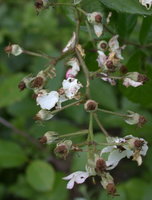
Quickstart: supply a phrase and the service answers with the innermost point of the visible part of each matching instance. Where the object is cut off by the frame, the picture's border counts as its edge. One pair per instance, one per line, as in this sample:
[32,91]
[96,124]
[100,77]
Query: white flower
[44,115]
[101,58]
[76,177]
[95,18]
[16,50]
[72,72]
[133,118]
[124,147]
[114,46]
[71,86]
[105,77]
[129,82]
[71,43]
[47,100]
[146,3]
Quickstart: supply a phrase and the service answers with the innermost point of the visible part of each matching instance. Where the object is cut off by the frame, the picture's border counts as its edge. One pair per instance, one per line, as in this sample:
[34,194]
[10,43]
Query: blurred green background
[29,171]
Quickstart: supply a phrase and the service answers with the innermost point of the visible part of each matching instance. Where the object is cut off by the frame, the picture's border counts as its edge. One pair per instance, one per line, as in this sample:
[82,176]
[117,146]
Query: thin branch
[100,125]
[113,113]
[82,132]
[37,54]
[19,132]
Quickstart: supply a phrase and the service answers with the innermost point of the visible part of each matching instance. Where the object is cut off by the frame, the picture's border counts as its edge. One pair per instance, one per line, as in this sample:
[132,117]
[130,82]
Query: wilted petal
[107,79]
[16,50]
[113,43]
[98,29]
[81,177]
[129,82]
[72,72]
[71,43]
[71,86]
[47,101]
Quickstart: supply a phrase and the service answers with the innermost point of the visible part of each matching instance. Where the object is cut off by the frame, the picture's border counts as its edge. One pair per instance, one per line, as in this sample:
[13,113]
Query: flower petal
[98,29]
[71,43]
[47,101]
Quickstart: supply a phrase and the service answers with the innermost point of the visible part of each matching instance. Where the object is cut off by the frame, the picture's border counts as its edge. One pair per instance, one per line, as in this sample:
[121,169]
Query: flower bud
[142,78]
[22,85]
[13,49]
[110,66]
[135,118]
[62,149]
[38,4]
[98,18]
[102,45]
[123,69]
[111,189]
[49,137]
[138,144]
[91,105]
[43,115]
[100,165]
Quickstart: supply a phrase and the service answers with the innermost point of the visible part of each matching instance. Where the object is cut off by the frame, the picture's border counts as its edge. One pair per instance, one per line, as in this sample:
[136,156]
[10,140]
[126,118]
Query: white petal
[81,177]
[114,158]
[75,66]
[62,98]
[70,184]
[98,28]
[144,149]
[71,87]
[113,43]
[16,50]
[107,149]
[101,58]
[48,101]
[129,82]
[71,43]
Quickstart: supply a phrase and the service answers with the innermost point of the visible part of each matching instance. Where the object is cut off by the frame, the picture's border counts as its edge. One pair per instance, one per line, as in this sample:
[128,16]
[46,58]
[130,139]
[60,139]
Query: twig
[100,125]
[37,54]
[113,113]
[19,132]
[82,132]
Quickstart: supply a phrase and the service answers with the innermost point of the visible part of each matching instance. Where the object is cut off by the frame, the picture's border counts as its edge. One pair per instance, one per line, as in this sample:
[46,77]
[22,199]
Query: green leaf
[9,92]
[11,155]
[146,30]
[40,175]
[104,94]
[127,6]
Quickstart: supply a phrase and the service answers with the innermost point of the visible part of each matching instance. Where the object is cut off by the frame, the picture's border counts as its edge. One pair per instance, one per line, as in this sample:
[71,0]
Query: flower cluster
[99,162]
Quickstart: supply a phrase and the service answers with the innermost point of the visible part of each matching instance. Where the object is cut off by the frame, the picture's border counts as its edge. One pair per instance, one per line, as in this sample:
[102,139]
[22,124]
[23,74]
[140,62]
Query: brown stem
[19,132]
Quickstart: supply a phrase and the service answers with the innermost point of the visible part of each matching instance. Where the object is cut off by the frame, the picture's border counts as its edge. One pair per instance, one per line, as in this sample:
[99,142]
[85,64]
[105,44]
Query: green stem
[37,54]
[100,125]
[86,72]
[82,11]
[65,107]
[82,132]
[90,136]
[61,4]
[113,113]
[90,34]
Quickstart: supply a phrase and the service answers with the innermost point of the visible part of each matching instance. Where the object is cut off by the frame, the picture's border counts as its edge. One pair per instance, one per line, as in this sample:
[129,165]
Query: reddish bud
[110,66]
[8,49]
[43,140]
[138,144]
[142,121]
[37,82]
[38,4]
[98,18]
[111,189]
[123,69]
[91,105]
[100,166]
[21,85]
[142,78]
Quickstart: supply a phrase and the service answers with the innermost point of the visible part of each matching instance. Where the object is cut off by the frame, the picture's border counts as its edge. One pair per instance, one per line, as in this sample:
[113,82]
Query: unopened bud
[13,49]
[102,45]
[142,121]
[123,69]
[142,78]
[110,66]
[111,189]
[49,137]
[98,18]
[22,85]
[138,144]
[43,115]
[91,105]
[62,149]
[38,4]
[37,82]
[100,166]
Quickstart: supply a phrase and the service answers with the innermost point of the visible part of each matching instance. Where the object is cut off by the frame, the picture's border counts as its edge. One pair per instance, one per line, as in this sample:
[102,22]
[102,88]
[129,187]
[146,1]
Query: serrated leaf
[40,175]
[127,6]
[11,155]
[9,92]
